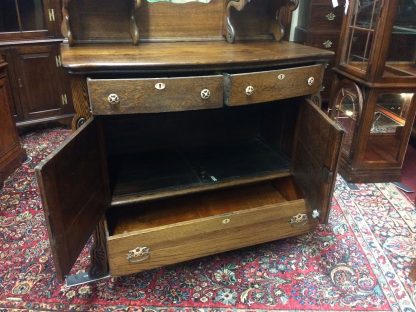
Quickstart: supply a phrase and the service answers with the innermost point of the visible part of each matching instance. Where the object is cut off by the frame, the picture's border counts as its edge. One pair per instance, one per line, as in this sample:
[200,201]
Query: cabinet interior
[153,156]
[165,212]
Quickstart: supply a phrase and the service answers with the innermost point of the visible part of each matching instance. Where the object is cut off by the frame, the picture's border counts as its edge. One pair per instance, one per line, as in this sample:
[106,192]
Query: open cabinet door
[73,184]
[315,156]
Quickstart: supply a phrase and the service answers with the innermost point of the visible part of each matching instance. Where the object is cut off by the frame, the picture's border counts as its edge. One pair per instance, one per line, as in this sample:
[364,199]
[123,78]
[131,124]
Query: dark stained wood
[35,64]
[272,85]
[185,181]
[74,189]
[203,225]
[315,157]
[79,91]
[11,152]
[143,95]
[98,253]
[182,55]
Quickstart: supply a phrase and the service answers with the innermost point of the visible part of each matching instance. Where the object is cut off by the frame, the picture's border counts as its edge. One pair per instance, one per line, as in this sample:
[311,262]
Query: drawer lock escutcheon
[205,94]
[249,90]
[138,254]
[281,76]
[160,86]
[311,80]
[299,220]
[226,221]
[113,99]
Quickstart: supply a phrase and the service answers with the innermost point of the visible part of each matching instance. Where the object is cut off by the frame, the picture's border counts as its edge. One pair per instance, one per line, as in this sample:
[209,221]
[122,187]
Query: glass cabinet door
[387,130]
[363,19]
[347,111]
[21,15]
[401,57]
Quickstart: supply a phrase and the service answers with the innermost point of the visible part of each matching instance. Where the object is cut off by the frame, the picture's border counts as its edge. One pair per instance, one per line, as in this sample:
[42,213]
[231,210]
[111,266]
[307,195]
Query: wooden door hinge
[58,60]
[51,13]
[64,99]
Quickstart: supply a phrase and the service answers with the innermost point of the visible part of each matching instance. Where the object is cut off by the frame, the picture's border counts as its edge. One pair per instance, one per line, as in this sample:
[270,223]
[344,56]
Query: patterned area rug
[359,261]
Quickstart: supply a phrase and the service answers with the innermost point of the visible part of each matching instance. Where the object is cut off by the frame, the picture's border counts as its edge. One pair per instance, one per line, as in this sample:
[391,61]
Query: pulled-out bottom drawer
[168,231]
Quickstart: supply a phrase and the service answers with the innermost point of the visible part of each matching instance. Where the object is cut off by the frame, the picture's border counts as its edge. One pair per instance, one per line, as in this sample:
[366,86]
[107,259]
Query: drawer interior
[228,201]
[162,155]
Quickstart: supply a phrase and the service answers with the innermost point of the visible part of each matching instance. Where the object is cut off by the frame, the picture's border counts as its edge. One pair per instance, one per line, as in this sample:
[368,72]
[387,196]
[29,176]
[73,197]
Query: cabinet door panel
[74,187]
[39,81]
[315,156]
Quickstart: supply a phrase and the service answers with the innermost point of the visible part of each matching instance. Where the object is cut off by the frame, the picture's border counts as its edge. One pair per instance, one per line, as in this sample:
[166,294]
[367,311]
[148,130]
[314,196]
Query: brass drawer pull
[299,220]
[249,90]
[330,16]
[113,99]
[138,254]
[311,81]
[205,94]
[327,44]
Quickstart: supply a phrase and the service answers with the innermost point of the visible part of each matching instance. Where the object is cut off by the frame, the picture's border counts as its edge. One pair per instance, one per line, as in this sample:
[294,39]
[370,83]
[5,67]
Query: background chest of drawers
[319,25]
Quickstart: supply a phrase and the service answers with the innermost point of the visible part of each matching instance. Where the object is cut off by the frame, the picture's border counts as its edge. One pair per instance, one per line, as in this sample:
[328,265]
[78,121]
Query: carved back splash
[134,21]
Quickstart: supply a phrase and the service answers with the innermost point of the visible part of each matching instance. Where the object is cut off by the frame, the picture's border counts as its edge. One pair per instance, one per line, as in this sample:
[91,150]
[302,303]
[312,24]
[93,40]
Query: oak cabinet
[191,139]
[29,41]
[11,153]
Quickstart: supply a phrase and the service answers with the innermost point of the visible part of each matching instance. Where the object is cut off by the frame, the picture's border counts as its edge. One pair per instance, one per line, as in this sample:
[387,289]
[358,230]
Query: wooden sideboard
[191,140]
[11,152]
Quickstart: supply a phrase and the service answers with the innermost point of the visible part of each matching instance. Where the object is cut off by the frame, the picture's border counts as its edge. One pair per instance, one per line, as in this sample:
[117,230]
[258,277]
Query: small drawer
[242,89]
[176,230]
[154,95]
[323,41]
[325,17]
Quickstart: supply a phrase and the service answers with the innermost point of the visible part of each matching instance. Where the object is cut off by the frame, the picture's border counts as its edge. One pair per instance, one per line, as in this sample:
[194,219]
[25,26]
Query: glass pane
[367,13]
[8,16]
[401,58]
[359,49]
[386,134]
[347,114]
[31,14]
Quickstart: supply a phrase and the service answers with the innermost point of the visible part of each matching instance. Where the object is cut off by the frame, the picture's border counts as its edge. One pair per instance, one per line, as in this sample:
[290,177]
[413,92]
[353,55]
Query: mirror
[179,1]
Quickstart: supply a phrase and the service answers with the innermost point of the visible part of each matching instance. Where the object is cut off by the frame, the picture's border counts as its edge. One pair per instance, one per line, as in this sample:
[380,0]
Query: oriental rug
[360,261]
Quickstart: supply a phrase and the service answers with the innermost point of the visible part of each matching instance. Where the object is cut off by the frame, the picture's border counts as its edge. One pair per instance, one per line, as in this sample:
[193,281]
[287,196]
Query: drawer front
[323,41]
[154,95]
[325,17]
[183,241]
[242,89]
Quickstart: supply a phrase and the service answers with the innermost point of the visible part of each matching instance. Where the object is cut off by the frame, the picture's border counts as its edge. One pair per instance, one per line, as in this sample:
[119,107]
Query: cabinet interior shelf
[163,173]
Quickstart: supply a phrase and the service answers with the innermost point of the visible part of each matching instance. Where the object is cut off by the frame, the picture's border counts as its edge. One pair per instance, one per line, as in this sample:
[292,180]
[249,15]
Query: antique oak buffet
[197,133]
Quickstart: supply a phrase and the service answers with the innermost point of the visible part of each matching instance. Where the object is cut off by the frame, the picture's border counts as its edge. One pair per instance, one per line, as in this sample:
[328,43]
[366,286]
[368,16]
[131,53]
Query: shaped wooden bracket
[134,27]
[281,16]
[281,10]
[66,26]
[239,6]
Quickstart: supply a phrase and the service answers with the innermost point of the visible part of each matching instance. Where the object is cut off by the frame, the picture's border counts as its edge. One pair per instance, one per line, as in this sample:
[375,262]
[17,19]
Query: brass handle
[311,80]
[113,99]
[205,94]
[299,220]
[330,16]
[327,44]
[249,90]
[138,254]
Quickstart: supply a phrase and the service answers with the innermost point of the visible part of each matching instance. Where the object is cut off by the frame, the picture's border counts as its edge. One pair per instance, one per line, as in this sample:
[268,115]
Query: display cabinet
[11,152]
[29,42]
[373,93]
